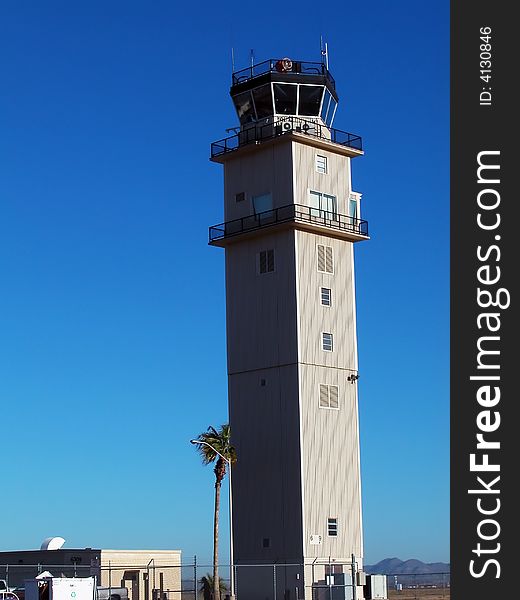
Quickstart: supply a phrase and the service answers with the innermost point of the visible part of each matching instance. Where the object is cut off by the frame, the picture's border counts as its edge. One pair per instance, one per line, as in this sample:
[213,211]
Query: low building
[147,574]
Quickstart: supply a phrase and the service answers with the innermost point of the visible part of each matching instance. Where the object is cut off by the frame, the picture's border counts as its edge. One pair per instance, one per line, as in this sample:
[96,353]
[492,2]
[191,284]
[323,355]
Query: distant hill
[412,571]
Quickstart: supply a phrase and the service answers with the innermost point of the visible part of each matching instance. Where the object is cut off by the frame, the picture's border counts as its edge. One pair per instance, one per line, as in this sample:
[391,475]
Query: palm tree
[212,443]
[207,589]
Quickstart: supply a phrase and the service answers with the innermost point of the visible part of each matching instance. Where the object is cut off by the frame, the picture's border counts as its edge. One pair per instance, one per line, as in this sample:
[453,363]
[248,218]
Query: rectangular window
[323,205]
[325,259]
[332,527]
[262,203]
[326,296]
[266,261]
[353,207]
[329,396]
[321,163]
[240,197]
[327,342]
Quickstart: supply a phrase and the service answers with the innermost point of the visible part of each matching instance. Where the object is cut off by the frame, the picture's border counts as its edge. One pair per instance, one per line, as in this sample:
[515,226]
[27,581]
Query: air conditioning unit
[286,126]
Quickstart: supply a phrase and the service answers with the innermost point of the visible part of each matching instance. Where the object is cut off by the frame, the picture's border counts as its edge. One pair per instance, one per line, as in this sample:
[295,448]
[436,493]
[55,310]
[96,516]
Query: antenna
[324,53]
[252,53]
[232,59]
[327,55]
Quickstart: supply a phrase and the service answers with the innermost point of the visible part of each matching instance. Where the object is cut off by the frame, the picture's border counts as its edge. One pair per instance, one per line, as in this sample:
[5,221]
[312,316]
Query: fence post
[354,588]
[195,586]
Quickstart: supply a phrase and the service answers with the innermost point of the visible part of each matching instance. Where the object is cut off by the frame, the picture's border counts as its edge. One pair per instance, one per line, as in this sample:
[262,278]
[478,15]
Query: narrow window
[328,396]
[325,259]
[353,207]
[266,261]
[327,341]
[266,543]
[332,527]
[321,164]
[240,197]
[326,296]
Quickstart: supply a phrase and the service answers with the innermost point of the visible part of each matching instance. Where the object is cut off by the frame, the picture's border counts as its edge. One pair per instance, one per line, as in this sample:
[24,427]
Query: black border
[476,128]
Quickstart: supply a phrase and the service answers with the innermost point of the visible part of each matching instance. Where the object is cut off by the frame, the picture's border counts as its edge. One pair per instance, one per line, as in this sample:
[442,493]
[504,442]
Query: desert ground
[420,594]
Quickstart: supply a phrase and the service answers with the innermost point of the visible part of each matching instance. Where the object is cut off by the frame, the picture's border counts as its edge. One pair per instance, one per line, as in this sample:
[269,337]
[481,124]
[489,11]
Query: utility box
[375,587]
[60,588]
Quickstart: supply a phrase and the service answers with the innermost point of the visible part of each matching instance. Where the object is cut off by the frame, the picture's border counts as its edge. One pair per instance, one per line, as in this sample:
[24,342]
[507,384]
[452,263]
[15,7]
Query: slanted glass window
[332,527]
[327,342]
[326,296]
[328,108]
[332,111]
[321,163]
[325,105]
[263,101]
[245,108]
[266,261]
[310,100]
[285,98]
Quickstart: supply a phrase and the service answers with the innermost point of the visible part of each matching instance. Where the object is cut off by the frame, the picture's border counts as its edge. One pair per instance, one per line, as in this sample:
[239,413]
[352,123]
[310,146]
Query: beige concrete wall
[330,437]
[261,308]
[336,182]
[268,170]
[118,564]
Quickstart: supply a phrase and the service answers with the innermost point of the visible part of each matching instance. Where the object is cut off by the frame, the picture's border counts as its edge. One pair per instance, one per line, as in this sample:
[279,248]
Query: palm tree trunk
[216,580]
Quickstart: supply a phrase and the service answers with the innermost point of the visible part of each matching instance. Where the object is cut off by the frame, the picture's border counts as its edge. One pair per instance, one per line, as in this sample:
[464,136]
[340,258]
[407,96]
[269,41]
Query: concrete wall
[128,568]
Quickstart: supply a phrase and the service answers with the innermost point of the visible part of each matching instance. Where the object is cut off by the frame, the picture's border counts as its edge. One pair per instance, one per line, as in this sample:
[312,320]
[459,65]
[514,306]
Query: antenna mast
[324,53]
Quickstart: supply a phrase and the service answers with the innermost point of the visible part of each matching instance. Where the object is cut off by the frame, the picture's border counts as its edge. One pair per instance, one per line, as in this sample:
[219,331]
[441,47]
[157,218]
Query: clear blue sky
[112,304]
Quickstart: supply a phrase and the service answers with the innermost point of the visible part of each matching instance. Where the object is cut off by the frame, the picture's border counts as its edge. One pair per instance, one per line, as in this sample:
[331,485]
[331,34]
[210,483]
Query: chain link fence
[194,581]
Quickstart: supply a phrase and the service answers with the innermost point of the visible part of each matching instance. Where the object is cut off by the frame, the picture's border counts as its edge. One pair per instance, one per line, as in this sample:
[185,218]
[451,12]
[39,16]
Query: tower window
[327,342]
[266,543]
[321,163]
[240,197]
[329,396]
[332,527]
[326,296]
[323,205]
[266,261]
[325,259]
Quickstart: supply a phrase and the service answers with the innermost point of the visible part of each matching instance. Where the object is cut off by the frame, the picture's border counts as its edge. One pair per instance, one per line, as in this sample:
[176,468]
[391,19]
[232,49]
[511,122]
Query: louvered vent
[325,259]
[333,396]
[329,396]
[324,396]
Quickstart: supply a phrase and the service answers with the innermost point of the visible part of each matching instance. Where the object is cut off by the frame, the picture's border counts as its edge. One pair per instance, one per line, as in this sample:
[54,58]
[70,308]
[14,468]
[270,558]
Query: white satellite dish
[44,575]
[52,543]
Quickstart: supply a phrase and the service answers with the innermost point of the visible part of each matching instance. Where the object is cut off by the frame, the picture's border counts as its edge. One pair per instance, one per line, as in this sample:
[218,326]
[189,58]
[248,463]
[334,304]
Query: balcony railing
[260,133]
[285,214]
[274,65]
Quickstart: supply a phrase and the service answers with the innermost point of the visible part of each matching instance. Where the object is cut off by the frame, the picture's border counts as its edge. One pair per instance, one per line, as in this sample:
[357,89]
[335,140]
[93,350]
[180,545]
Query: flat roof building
[147,574]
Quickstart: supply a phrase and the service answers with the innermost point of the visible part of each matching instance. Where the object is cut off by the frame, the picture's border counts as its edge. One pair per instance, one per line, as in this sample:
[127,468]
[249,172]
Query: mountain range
[412,571]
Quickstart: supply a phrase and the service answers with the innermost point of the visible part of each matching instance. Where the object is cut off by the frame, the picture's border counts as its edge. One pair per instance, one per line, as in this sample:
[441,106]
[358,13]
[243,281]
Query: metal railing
[285,214]
[275,65]
[259,133]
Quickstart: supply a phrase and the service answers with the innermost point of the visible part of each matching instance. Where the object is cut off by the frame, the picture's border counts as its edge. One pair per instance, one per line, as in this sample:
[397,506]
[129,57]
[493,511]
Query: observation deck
[292,215]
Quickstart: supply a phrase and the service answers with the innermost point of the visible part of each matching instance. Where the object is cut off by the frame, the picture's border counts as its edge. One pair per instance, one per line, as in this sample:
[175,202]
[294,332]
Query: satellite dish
[52,543]
[284,65]
[44,575]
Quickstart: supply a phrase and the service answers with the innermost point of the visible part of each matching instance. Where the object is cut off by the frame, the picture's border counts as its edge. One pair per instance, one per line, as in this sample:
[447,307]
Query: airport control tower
[291,222]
